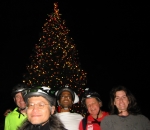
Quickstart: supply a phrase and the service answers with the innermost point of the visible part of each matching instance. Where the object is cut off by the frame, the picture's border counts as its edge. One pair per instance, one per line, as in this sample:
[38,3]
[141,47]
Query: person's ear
[100,104]
[58,102]
[76,100]
[14,99]
[114,103]
[52,110]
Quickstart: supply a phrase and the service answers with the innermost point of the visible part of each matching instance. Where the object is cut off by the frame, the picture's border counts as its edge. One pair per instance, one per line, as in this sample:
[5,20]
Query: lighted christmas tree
[55,61]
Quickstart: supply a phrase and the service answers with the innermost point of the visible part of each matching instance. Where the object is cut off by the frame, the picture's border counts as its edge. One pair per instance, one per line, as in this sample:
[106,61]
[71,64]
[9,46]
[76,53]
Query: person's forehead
[18,94]
[65,92]
[91,99]
[37,98]
[120,92]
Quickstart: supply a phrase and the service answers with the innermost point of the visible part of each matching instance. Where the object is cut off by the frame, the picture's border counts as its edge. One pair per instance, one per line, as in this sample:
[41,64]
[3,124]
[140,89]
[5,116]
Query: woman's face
[39,110]
[121,101]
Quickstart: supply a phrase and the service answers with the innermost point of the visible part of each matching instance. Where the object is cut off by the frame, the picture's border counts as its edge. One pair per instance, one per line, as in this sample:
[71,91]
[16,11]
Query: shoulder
[55,123]
[77,114]
[11,113]
[140,117]
[104,114]
[72,114]
[109,117]
[62,114]
[109,120]
[15,110]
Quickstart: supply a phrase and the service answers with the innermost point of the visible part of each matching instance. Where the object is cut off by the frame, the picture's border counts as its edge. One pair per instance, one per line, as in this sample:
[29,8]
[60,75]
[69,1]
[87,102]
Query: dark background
[112,39]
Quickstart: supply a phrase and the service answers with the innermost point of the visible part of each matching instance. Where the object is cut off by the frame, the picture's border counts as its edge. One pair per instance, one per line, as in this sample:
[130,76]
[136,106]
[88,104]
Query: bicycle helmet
[90,94]
[18,88]
[40,91]
[75,97]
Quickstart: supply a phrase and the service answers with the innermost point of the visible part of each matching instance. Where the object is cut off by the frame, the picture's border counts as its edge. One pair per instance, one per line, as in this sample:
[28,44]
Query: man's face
[65,99]
[39,110]
[93,106]
[121,101]
[19,100]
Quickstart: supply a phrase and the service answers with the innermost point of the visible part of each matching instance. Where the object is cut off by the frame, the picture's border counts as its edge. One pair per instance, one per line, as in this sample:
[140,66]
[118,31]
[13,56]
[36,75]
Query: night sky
[112,39]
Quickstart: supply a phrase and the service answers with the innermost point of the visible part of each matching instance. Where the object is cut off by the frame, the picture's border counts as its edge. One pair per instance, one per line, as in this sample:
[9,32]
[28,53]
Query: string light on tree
[55,62]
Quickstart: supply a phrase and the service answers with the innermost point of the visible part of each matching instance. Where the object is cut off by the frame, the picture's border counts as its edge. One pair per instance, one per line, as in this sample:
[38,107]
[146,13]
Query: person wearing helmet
[92,102]
[15,118]
[40,110]
[66,97]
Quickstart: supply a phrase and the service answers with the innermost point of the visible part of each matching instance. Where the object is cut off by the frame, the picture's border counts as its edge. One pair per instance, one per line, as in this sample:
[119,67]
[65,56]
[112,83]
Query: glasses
[39,105]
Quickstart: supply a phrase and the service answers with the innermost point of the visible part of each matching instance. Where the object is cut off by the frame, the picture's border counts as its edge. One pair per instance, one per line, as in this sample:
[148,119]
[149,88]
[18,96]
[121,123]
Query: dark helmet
[75,98]
[40,91]
[90,94]
[18,88]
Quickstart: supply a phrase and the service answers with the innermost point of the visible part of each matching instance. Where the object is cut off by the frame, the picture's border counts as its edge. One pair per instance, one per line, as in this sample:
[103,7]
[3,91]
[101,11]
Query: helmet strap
[64,109]
[19,111]
[97,115]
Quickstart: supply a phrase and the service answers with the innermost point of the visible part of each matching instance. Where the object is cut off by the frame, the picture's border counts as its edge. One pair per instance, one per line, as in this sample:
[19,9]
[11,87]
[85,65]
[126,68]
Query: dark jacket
[53,124]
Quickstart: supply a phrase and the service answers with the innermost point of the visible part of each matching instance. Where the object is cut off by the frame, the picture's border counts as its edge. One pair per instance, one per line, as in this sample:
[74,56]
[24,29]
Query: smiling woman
[124,112]
[121,102]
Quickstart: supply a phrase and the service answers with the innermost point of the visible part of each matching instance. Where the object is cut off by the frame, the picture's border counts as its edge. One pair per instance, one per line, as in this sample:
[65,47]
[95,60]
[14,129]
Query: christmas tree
[55,61]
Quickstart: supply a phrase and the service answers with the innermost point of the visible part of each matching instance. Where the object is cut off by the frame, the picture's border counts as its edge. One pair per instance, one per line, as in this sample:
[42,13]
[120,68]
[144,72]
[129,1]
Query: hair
[132,108]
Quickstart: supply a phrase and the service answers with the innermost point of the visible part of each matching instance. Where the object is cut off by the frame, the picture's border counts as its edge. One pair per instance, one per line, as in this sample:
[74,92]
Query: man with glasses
[15,118]
[66,97]
[40,110]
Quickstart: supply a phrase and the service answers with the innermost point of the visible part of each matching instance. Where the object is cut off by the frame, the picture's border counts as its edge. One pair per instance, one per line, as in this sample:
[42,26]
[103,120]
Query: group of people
[36,110]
